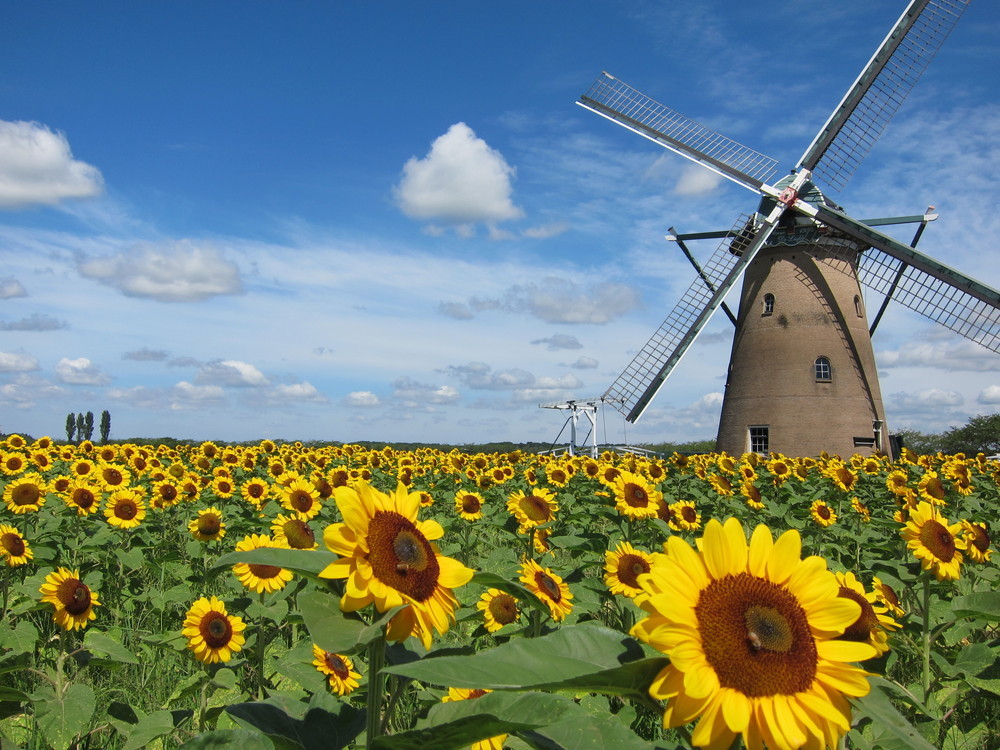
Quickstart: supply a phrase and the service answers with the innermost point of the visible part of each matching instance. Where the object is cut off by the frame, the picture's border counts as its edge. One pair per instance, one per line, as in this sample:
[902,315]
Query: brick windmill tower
[802,376]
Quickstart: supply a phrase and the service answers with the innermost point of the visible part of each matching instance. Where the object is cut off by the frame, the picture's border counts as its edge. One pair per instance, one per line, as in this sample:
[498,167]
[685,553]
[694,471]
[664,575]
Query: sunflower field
[289,596]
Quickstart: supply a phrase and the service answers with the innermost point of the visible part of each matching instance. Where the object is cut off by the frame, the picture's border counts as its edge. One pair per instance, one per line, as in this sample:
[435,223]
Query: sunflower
[557,475]
[548,587]
[752,495]
[977,539]
[722,485]
[256,577]
[294,531]
[533,509]
[469,505]
[499,608]
[388,557]
[822,513]
[338,670]
[26,493]
[897,482]
[934,542]
[464,694]
[861,509]
[635,497]
[208,526]
[873,624]
[887,597]
[14,548]
[780,469]
[749,629]
[73,600]
[12,463]
[623,566]
[113,476]
[300,496]
[83,497]
[842,477]
[686,515]
[255,492]
[931,488]
[213,634]
[166,493]
[125,509]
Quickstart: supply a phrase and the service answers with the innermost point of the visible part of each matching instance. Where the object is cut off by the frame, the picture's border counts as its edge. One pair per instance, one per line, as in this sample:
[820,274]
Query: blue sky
[389,221]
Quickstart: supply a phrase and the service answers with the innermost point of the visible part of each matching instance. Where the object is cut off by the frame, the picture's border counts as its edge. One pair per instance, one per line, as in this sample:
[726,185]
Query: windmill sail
[859,119]
[635,388]
[921,283]
[621,103]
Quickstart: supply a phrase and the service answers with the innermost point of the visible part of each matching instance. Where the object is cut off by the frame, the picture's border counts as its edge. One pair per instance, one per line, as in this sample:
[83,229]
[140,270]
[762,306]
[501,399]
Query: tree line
[81,426]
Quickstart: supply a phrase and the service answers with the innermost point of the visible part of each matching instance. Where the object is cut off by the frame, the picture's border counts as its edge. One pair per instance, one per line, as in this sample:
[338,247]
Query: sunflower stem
[376,689]
[926,616]
[261,646]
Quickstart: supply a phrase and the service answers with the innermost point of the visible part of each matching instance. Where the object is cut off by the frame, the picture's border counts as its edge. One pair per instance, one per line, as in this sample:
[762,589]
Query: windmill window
[758,438]
[857,306]
[768,304]
[824,372]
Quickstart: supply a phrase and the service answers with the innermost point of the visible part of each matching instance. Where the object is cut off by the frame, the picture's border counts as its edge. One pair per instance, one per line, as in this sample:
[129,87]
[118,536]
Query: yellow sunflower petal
[785,556]
[845,650]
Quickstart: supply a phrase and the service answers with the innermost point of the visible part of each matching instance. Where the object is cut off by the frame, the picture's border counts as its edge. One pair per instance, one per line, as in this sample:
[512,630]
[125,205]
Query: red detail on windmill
[788,196]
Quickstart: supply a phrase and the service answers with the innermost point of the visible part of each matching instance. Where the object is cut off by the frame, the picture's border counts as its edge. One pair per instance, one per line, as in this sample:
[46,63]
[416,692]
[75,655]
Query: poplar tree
[88,424]
[105,425]
[70,427]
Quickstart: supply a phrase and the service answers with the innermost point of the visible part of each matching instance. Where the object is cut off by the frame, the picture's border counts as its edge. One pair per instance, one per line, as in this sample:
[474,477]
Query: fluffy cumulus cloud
[145,354]
[304,391]
[34,322]
[361,399]
[521,385]
[947,351]
[555,300]
[80,371]
[559,341]
[37,167]
[989,395]
[697,180]
[584,363]
[11,287]
[174,272]
[413,393]
[930,399]
[26,391]
[231,372]
[461,181]
[16,362]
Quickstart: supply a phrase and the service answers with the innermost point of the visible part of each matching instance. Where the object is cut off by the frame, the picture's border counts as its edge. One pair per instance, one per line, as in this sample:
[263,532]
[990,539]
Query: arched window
[768,304]
[857,306]
[824,372]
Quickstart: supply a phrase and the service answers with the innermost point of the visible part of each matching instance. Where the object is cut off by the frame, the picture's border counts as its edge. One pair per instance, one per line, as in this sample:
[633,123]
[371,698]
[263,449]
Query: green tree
[980,435]
[920,443]
[70,427]
[88,425]
[105,425]
[81,425]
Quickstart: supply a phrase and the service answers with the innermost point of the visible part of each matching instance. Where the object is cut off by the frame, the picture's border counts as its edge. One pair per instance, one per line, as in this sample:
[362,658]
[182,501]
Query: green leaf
[20,639]
[102,643]
[889,722]
[331,630]
[981,604]
[458,724]
[973,659]
[63,717]
[300,560]
[319,729]
[147,729]
[578,658]
[229,739]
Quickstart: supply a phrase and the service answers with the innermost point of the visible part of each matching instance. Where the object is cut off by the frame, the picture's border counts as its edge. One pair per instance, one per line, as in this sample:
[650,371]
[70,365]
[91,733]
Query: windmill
[802,375]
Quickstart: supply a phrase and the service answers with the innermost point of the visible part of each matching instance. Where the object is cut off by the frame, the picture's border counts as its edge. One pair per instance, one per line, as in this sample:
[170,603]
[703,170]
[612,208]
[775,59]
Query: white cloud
[11,287]
[37,167]
[584,363]
[13,362]
[145,354]
[557,300]
[456,310]
[362,399]
[989,395]
[545,231]
[461,181]
[953,353]
[697,180]
[34,322]
[304,391]
[559,341]
[188,396]
[231,372]
[27,391]
[80,371]
[175,272]
[410,390]
[932,398]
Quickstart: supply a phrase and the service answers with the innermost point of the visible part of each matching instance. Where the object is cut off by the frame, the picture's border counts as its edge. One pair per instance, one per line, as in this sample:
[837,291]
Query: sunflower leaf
[299,560]
[331,630]
[62,717]
[891,726]
[981,604]
[576,659]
